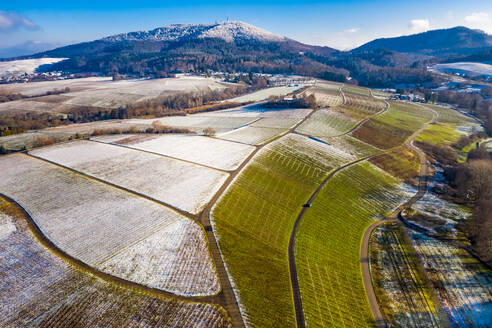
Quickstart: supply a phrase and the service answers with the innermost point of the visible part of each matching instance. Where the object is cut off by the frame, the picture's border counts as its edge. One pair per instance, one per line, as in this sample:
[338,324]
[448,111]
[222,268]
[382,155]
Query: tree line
[469,183]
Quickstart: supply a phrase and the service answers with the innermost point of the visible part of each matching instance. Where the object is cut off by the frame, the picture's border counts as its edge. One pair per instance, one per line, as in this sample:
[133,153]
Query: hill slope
[228,46]
[228,31]
[456,40]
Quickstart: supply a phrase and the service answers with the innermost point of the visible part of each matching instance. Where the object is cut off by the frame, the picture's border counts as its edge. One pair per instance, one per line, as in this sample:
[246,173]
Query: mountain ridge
[228,31]
[455,40]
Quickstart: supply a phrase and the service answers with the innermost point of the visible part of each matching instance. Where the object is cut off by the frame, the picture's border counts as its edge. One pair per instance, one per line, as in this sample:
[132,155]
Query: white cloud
[419,25]
[352,30]
[477,18]
[12,21]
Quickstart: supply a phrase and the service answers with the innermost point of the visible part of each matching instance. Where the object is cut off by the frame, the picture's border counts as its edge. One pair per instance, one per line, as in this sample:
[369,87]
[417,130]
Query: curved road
[226,297]
[296,294]
[364,249]
[364,246]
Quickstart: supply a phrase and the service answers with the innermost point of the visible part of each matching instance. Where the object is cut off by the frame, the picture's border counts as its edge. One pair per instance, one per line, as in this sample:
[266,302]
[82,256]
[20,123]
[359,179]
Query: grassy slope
[357,90]
[444,131]
[393,127]
[352,145]
[359,107]
[254,220]
[402,163]
[328,245]
[325,124]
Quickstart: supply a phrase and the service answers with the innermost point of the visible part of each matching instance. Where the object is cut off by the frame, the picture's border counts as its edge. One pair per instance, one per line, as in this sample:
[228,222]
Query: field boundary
[364,250]
[48,243]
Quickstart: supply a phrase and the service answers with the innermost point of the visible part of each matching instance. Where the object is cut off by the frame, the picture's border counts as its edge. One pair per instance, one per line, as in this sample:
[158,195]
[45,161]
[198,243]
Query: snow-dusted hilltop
[228,31]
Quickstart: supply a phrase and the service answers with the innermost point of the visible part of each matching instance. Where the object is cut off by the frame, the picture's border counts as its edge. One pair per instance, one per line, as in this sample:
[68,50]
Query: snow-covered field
[105,93]
[325,95]
[39,289]
[177,251]
[273,122]
[252,135]
[7,226]
[212,152]
[464,67]
[444,215]
[264,94]
[20,67]
[199,122]
[319,154]
[184,185]
[466,293]
[257,111]
[25,106]
[352,145]
[95,222]
[325,123]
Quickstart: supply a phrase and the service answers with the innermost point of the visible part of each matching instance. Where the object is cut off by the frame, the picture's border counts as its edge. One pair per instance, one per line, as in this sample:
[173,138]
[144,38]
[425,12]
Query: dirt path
[364,249]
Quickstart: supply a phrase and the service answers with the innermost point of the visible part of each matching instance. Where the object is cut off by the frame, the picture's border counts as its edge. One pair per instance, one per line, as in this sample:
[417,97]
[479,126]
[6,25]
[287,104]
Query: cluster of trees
[6,96]
[378,68]
[162,106]
[160,58]
[479,105]
[469,183]
[472,182]
[465,140]
[295,102]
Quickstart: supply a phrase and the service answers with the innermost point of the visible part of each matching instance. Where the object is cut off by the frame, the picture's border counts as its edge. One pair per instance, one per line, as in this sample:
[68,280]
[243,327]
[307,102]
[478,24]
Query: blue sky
[339,24]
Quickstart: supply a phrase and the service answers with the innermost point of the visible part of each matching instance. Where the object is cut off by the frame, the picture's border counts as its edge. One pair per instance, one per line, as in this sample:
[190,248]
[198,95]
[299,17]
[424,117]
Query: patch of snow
[24,66]
[184,185]
[7,226]
[228,31]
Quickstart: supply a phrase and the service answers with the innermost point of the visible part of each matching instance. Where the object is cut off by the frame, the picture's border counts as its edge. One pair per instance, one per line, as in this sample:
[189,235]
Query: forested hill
[241,47]
[443,42]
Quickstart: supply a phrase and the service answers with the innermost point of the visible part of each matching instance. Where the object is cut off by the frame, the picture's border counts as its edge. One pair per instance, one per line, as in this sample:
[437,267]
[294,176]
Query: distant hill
[227,31]
[444,42]
[228,46]
[27,48]
[240,47]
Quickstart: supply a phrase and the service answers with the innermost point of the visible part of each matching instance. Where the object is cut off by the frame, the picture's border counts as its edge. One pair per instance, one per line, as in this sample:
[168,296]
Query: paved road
[296,294]
[225,297]
[364,246]
[364,250]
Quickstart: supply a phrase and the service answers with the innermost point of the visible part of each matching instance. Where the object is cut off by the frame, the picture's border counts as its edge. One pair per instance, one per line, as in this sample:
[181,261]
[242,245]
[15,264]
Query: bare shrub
[209,131]
[41,141]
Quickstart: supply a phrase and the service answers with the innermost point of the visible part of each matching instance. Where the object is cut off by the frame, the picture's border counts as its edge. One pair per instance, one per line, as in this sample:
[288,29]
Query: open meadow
[393,127]
[98,92]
